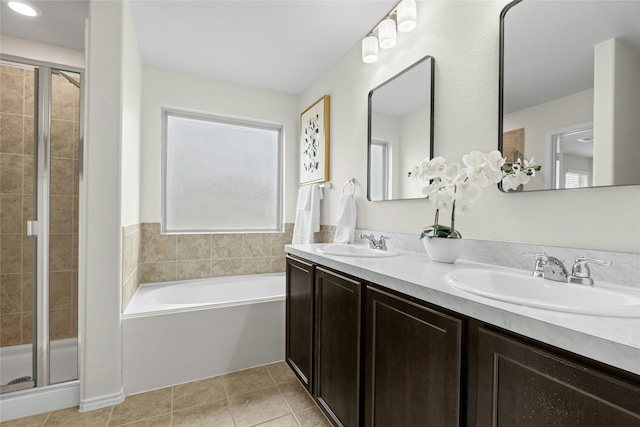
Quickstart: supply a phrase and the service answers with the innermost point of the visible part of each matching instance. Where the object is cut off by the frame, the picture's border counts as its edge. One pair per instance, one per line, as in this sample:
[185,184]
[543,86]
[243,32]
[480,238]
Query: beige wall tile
[12,70]
[28,140]
[278,264]
[129,288]
[226,246]
[193,246]
[61,220]
[60,283]
[158,272]
[10,329]
[62,176]
[11,133]
[256,245]
[11,173]
[11,213]
[11,254]
[28,175]
[60,324]
[29,93]
[193,269]
[10,293]
[12,93]
[226,267]
[279,240]
[28,252]
[60,252]
[27,292]
[131,243]
[256,265]
[157,247]
[63,96]
[27,327]
[62,138]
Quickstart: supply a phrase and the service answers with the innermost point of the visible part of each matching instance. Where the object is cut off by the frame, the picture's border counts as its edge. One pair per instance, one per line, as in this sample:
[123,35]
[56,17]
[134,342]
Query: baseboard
[35,401]
[102,401]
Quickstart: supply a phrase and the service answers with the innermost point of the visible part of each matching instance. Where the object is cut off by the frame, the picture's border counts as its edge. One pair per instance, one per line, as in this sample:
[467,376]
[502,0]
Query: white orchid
[518,173]
[456,189]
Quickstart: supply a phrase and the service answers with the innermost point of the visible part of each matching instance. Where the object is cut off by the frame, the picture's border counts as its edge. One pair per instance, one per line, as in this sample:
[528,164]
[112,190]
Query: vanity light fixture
[407,16]
[387,33]
[24,8]
[403,16]
[369,49]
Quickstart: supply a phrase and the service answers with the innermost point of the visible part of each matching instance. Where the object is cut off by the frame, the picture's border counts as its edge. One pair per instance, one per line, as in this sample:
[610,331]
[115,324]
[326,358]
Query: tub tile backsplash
[149,256]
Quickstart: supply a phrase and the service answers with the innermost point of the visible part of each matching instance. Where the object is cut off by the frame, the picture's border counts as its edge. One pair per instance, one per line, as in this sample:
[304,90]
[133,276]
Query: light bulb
[369,49]
[387,33]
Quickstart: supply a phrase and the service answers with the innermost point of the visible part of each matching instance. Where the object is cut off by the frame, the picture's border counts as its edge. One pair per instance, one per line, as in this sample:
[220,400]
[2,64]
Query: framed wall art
[314,142]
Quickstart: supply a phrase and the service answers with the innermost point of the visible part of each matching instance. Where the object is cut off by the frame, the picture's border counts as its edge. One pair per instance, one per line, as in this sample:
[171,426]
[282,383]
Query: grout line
[110,415]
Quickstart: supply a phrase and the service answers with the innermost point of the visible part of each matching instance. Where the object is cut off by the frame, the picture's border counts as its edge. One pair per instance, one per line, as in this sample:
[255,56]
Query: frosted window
[378,181]
[220,174]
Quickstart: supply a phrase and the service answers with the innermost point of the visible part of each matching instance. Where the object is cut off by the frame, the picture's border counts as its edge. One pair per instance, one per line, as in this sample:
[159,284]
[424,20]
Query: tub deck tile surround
[266,396]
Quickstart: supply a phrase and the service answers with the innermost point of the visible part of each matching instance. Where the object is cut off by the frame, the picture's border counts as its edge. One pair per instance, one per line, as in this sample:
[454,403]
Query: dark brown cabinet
[524,385]
[299,319]
[413,363]
[371,356]
[338,346]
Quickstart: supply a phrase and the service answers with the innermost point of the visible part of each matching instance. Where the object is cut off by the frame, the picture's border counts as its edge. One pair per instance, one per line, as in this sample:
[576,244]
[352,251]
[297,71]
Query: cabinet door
[299,320]
[338,349]
[413,364]
[522,385]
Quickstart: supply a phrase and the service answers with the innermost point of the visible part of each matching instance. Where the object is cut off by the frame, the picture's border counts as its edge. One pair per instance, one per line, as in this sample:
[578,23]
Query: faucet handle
[581,270]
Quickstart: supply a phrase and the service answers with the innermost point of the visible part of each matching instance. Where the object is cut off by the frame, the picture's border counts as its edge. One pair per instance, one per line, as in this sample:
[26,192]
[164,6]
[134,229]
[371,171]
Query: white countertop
[611,340]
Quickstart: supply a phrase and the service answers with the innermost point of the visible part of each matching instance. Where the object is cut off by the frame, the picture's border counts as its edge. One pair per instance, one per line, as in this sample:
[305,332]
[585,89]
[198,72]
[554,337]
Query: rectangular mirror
[570,91]
[400,132]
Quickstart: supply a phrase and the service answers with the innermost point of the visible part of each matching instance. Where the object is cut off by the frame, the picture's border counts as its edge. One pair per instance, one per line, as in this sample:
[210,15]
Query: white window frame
[237,121]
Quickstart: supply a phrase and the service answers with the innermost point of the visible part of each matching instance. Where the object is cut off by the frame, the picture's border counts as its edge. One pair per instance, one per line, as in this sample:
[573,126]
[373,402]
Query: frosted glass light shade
[387,33]
[407,16]
[369,49]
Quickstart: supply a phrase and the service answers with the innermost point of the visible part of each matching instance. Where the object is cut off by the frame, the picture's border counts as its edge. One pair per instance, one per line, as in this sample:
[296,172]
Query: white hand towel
[307,219]
[346,219]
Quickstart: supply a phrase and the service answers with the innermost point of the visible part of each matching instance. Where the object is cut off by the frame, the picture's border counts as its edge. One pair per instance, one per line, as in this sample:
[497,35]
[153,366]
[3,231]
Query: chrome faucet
[374,243]
[551,268]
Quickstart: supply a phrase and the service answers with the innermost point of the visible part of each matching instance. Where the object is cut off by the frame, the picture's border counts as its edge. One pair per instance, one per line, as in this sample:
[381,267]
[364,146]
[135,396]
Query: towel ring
[351,181]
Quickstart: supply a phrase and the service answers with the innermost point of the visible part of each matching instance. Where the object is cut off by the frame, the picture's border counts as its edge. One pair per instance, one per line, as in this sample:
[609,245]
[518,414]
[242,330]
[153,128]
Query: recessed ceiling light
[24,8]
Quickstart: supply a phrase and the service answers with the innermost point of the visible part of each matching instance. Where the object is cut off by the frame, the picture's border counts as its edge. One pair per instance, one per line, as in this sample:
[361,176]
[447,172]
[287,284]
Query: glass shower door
[18,117]
[39,175]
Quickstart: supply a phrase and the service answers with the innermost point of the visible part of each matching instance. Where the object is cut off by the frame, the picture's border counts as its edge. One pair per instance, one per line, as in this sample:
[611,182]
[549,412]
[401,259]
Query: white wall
[41,52]
[463,37]
[131,106]
[164,88]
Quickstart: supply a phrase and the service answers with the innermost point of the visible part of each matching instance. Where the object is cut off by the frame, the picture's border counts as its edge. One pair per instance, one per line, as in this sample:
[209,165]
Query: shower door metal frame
[42,153]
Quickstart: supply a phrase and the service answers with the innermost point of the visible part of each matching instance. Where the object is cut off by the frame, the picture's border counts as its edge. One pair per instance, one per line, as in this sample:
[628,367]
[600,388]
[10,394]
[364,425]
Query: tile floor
[267,396]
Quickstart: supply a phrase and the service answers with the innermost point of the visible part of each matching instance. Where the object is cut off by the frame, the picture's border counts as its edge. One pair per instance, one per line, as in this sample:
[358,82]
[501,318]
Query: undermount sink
[522,289]
[343,249]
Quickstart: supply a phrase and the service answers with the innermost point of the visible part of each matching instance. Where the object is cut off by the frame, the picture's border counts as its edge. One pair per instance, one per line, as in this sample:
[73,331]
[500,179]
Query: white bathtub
[182,331]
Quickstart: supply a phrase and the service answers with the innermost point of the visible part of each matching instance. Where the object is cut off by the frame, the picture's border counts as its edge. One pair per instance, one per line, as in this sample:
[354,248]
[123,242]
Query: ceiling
[278,45]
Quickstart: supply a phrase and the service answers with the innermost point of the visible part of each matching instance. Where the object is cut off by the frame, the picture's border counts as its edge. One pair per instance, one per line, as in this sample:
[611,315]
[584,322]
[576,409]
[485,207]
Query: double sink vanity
[390,338]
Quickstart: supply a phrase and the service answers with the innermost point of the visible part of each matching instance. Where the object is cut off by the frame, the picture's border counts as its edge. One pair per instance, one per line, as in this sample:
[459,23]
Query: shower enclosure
[40,128]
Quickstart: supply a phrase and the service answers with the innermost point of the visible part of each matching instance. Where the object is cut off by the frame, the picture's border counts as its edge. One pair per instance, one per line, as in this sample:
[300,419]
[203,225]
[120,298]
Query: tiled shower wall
[17,206]
[149,256]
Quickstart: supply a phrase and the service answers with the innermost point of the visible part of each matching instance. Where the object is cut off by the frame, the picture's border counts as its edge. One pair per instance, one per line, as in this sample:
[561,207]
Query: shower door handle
[32,228]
